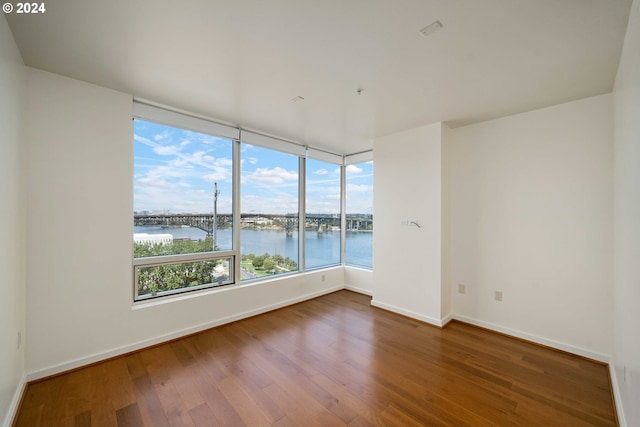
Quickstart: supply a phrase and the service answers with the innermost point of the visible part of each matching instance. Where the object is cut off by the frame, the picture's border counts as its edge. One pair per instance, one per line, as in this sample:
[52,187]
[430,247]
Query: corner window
[215,205]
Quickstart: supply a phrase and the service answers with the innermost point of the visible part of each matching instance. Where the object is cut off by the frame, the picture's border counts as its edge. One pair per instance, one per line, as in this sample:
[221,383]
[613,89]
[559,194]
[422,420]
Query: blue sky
[175,171]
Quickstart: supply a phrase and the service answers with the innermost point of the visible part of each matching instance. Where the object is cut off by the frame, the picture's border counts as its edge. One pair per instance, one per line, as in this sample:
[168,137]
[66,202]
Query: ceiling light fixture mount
[431,28]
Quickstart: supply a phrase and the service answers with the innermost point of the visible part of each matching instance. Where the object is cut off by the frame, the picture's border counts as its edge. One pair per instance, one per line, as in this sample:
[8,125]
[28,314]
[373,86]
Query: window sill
[139,305]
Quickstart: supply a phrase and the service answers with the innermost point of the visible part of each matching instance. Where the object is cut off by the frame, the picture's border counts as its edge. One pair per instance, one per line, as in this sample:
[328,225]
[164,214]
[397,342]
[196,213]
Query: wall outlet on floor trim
[462,289]
[498,296]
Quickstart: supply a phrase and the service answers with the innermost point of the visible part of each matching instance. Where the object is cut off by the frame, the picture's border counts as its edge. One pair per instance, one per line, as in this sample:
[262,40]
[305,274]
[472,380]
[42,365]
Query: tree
[290,264]
[258,261]
[160,278]
[269,264]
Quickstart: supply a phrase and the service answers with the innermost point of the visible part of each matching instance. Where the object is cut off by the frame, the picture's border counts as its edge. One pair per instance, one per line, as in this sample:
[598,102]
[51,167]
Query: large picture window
[183,225]
[215,206]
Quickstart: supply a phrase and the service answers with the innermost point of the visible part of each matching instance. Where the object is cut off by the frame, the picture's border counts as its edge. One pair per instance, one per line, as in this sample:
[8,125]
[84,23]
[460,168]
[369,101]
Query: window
[322,220]
[269,212]
[214,205]
[359,214]
[183,222]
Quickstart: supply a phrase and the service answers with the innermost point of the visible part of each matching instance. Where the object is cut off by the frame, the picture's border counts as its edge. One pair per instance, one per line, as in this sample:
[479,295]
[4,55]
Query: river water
[321,249]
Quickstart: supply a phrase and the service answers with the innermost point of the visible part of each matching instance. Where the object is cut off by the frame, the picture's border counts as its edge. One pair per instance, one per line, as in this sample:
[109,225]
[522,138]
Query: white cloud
[181,180]
[222,170]
[145,141]
[216,176]
[350,169]
[161,136]
[152,182]
[273,176]
[165,172]
[197,158]
[203,137]
[355,188]
[353,169]
[177,197]
[223,161]
[281,203]
[166,150]
[321,172]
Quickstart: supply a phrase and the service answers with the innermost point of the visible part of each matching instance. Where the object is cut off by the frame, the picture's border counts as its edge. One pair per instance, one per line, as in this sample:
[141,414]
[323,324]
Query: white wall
[12,225]
[79,244]
[407,277]
[532,217]
[358,280]
[626,289]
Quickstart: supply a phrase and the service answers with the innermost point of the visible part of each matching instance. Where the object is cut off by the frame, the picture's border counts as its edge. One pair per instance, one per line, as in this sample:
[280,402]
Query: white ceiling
[242,61]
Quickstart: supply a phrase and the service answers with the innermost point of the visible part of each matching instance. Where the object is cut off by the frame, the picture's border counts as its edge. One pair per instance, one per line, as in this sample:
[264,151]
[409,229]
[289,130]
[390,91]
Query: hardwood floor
[331,361]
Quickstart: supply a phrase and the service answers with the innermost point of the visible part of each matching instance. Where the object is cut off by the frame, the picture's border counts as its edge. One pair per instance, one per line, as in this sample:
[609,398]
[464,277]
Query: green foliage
[266,264]
[177,247]
[161,278]
[290,264]
[154,279]
[258,261]
[269,264]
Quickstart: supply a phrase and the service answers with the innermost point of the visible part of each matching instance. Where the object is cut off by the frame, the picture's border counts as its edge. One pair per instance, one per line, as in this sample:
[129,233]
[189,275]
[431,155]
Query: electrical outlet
[498,296]
[19,339]
[322,278]
[462,289]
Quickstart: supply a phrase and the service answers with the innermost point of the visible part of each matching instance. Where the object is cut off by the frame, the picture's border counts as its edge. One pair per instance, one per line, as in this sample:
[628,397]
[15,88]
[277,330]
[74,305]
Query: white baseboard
[446,319]
[408,313]
[15,402]
[83,361]
[536,339]
[358,290]
[617,395]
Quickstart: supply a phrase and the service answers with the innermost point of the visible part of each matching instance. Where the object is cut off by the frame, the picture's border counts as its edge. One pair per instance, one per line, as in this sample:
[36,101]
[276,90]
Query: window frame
[337,161]
[158,261]
[162,115]
[283,147]
[178,120]
[353,159]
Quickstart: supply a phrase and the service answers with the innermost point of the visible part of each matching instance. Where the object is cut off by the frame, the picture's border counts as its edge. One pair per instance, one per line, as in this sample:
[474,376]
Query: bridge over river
[289,222]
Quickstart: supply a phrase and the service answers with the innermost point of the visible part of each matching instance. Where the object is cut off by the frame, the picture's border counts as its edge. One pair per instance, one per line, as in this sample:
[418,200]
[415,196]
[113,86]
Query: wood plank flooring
[331,361]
